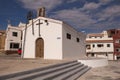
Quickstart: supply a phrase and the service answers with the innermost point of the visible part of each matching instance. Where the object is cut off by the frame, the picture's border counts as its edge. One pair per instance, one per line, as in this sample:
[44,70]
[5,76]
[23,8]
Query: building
[115,34]
[45,38]
[52,39]
[13,38]
[2,40]
[100,45]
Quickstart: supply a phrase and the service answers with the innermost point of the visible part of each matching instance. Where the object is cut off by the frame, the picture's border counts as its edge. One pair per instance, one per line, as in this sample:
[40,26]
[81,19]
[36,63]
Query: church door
[39,48]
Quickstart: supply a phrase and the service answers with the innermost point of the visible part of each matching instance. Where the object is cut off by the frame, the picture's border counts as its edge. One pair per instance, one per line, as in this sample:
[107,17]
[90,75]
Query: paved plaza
[13,63]
[110,72]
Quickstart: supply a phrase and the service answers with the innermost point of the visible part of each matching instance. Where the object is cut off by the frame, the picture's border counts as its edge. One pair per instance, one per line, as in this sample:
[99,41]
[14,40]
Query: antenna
[9,23]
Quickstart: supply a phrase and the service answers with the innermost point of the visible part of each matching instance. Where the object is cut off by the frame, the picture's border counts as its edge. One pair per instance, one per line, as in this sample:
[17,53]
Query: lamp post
[29,17]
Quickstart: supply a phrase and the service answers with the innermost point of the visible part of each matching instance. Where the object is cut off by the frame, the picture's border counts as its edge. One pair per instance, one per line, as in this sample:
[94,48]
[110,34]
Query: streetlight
[29,17]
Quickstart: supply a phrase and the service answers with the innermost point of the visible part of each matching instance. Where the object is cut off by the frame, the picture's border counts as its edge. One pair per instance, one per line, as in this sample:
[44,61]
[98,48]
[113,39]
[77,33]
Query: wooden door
[40,48]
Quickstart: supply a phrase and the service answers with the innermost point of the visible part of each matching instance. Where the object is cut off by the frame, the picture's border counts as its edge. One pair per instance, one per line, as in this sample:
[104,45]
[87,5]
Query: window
[106,54]
[92,54]
[93,45]
[14,45]
[88,46]
[77,39]
[108,45]
[14,34]
[100,45]
[68,36]
[117,41]
[90,37]
[118,50]
[113,32]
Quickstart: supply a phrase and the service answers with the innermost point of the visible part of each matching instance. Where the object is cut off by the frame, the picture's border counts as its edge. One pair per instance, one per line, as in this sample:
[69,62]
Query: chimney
[41,12]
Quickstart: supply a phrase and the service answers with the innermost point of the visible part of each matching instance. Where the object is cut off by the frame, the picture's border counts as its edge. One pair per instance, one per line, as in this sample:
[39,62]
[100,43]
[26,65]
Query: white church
[51,39]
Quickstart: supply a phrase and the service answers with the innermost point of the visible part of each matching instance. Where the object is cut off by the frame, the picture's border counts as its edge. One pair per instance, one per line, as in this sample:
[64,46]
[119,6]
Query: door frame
[36,48]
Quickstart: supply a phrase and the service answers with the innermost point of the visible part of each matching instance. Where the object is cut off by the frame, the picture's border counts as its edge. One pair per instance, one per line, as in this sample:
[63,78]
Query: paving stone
[118,72]
[107,78]
[117,79]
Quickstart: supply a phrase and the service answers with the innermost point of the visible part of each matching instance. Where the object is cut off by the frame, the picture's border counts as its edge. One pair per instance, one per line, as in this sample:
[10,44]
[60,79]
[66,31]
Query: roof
[50,20]
[99,41]
[96,35]
[45,19]
[2,31]
[14,27]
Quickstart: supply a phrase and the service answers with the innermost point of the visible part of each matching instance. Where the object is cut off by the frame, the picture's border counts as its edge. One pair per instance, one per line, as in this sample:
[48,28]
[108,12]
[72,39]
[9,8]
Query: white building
[100,45]
[52,39]
[13,38]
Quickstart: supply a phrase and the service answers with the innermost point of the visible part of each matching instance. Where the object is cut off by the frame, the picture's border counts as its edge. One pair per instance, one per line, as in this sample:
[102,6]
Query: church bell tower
[41,12]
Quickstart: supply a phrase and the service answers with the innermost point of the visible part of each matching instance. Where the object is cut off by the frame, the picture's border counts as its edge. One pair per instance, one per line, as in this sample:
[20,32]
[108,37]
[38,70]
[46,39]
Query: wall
[52,36]
[71,48]
[2,40]
[101,49]
[10,38]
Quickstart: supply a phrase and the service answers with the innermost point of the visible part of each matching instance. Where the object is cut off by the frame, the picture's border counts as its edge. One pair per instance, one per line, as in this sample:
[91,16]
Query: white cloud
[81,19]
[76,17]
[110,12]
[93,5]
[90,6]
[35,4]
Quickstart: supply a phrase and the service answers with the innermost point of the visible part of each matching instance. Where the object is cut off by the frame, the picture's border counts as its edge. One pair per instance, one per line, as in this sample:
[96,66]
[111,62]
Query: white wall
[52,36]
[100,49]
[99,62]
[101,40]
[56,46]
[110,56]
[12,39]
[71,48]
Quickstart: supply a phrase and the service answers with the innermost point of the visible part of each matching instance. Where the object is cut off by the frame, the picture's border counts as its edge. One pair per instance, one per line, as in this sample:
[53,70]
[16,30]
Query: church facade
[52,39]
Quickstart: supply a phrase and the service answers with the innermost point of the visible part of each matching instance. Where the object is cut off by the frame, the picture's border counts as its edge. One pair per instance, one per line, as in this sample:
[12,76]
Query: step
[77,74]
[51,76]
[49,71]
[46,71]
[63,76]
[35,70]
[63,71]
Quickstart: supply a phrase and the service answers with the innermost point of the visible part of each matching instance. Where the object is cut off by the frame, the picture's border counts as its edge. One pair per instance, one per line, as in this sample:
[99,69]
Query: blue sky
[91,16]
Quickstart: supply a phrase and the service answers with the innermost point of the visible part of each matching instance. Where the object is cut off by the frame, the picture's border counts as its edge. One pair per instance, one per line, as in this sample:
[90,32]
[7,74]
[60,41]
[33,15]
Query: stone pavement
[110,72]
[13,63]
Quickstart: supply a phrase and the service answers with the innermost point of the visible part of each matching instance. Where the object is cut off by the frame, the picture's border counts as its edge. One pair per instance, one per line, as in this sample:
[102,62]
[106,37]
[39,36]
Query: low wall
[94,62]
